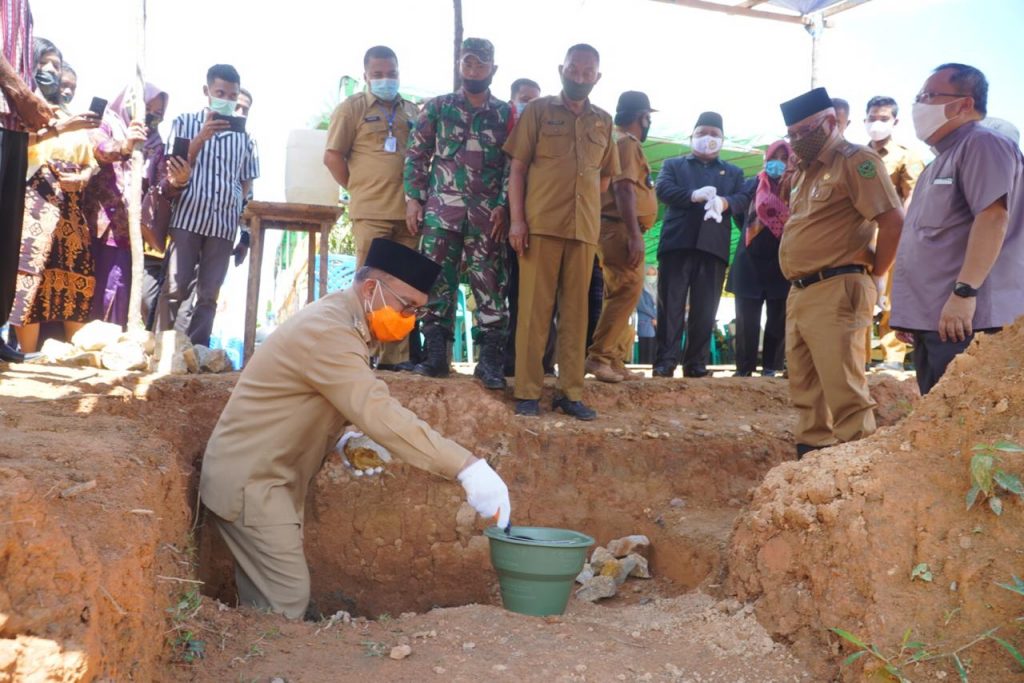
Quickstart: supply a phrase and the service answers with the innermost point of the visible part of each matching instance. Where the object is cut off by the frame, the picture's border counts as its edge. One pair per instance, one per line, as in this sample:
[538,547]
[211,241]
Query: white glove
[715,207]
[372,465]
[486,492]
[704,194]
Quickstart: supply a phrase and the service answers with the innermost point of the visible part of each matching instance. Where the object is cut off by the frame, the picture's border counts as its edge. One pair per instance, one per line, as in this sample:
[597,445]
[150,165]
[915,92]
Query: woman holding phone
[56,276]
[107,195]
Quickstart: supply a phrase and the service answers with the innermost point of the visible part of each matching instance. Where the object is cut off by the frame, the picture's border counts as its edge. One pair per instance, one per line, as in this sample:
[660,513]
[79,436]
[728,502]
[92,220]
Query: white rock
[641,570]
[597,588]
[586,573]
[400,652]
[144,338]
[85,359]
[637,543]
[599,557]
[95,335]
[212,360]
[125,355]
[55,350]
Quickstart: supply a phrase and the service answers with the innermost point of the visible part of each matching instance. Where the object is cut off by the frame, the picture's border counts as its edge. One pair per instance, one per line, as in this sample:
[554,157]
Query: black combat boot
[489,369]
[435,362]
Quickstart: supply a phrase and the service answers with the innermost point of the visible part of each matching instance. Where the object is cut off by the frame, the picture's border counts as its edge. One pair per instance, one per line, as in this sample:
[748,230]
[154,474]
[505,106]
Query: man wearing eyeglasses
[840,191]
[456,177]
[960,264]
[302,386]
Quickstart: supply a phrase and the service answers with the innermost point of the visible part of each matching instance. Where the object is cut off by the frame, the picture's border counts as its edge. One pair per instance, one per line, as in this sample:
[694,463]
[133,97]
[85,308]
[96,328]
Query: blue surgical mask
[775,168]
[384,88]
[520,106]
[222,107]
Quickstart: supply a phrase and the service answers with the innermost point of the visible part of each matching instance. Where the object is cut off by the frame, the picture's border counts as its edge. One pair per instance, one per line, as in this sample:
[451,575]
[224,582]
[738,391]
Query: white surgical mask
[879,130]
[928,118]
[707,144]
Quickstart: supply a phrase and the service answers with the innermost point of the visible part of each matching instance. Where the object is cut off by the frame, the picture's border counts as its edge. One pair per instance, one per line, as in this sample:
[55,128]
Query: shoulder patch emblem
[867,170]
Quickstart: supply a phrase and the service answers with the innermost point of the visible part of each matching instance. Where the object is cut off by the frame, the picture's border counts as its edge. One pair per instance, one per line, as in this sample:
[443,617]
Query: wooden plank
[310,266]
[252,292]
[325,241]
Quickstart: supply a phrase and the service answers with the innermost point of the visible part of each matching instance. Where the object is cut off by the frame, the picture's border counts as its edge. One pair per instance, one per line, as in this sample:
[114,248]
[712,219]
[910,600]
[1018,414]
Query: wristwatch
[964,290]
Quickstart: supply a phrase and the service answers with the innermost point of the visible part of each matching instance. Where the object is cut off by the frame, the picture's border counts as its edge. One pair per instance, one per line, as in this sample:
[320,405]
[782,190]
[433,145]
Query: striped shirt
[211,203]
[16,33]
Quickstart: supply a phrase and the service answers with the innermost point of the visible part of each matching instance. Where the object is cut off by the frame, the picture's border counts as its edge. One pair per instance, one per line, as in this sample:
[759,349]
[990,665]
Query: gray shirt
[975,166]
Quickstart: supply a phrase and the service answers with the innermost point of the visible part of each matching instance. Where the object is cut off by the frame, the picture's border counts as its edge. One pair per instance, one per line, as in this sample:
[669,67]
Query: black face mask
[152,121]
[475,86]
[577,92]
[643,133]
[49,86]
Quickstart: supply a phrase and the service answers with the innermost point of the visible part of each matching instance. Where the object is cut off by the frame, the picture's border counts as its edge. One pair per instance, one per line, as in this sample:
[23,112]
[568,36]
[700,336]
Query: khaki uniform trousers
[551,267]
[270,566]
[895,350]
[825,356]
[365,230]
[622,287]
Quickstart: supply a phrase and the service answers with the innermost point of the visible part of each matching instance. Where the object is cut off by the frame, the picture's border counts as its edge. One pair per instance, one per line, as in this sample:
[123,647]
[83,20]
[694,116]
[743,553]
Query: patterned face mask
[809,146]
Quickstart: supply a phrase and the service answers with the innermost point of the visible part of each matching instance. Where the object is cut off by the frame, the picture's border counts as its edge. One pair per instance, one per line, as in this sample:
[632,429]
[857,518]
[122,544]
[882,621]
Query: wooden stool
[308,218]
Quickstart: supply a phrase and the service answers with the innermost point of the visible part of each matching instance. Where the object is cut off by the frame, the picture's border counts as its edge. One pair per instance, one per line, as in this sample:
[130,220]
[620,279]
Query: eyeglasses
[407,309]
[923,97]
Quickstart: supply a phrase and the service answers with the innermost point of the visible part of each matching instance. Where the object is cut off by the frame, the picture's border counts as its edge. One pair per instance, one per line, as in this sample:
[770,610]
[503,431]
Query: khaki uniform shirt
[310,378]
[635,169]
[833,205]
[903,166]
[359,128]
[567,156]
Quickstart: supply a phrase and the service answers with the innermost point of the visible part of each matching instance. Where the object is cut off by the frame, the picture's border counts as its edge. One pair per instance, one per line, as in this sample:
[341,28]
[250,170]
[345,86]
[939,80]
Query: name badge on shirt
[391,144]
[942,181]
[371,119]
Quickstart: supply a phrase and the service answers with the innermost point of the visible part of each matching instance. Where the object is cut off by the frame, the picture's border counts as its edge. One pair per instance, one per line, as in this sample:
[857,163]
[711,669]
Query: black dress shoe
[404,366]
[662,371]
[768,373]
[573,408]
[9,355]
[696,372]
[528,407]
[803,449]
[745,373]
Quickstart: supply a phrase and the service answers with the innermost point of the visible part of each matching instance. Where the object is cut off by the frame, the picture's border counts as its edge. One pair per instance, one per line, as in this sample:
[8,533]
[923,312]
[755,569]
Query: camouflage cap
[481,48]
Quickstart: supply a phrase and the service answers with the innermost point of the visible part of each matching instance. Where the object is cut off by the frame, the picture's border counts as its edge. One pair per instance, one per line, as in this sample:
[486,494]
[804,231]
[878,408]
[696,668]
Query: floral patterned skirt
[56,271]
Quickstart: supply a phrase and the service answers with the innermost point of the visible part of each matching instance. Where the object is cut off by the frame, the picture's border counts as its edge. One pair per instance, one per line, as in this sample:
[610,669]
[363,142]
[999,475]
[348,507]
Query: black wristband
[964,290]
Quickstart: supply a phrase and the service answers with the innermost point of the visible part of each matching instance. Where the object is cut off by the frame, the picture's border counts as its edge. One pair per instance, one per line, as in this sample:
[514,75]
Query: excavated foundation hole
[673,460]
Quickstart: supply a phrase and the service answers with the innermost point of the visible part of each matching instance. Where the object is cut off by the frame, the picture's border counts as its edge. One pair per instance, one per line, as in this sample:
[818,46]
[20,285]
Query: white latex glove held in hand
[704,194]
[715,206]
[486,492]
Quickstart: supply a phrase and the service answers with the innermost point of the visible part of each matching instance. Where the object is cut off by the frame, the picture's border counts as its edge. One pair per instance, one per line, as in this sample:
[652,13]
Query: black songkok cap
[633,100]
[408,265]
[710,118]
[808,104]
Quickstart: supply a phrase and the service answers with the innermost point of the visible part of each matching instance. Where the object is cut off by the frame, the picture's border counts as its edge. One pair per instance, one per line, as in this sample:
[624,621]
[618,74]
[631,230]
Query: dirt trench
[98,474]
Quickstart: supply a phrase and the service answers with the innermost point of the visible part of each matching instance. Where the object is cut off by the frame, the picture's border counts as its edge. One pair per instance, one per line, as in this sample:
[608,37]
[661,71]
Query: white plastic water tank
[306,179]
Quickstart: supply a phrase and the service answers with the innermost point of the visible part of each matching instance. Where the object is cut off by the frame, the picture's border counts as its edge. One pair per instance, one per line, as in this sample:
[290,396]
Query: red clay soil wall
[831,541]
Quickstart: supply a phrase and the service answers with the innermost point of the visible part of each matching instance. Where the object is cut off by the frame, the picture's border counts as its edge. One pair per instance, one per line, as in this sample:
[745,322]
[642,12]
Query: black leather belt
[802,282]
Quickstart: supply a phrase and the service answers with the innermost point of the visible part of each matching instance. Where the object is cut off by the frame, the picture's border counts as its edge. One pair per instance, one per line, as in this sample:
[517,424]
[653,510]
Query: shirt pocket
[374,132]
[452,132]
[822,192]
[939,211]
[594,144]
[554,142]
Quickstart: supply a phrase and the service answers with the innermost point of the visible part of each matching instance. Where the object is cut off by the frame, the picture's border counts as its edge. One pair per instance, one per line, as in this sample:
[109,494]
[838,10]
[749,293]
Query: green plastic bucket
[536,576]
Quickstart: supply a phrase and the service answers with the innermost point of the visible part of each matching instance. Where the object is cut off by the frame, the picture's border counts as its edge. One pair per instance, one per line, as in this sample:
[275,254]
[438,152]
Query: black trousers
[13,166]
[697,276]
[646,352]
[748,334]
[932,356]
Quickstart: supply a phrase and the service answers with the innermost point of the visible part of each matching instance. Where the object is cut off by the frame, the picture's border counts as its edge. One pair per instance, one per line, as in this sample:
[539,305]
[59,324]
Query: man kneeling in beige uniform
[302,386]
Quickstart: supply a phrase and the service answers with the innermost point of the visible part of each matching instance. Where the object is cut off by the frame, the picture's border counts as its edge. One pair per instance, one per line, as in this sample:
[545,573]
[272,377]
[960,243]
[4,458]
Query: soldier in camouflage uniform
[456,177]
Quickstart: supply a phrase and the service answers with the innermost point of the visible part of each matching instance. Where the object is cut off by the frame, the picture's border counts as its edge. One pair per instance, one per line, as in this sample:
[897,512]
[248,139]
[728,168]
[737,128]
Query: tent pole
[816,27]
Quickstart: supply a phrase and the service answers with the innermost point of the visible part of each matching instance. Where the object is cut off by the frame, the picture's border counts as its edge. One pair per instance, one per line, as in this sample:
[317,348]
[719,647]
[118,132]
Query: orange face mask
[387,324]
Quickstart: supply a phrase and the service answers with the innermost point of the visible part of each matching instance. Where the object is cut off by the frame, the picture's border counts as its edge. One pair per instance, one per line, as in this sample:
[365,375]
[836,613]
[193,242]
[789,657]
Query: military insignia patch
[867,169]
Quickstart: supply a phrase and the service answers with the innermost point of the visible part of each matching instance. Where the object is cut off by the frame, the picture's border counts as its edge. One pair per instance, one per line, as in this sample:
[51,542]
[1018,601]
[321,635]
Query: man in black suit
[702,193]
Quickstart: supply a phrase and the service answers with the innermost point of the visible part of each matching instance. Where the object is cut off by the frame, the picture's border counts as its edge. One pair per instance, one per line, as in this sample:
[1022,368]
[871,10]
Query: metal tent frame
[814,15]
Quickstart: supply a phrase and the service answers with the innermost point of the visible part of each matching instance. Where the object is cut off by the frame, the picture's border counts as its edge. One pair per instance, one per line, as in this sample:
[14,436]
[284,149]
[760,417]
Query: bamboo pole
[135,177]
